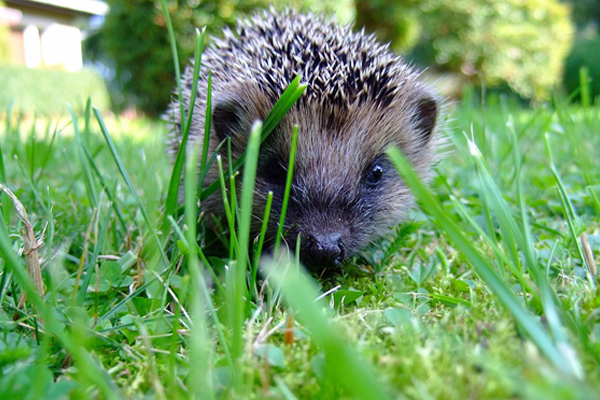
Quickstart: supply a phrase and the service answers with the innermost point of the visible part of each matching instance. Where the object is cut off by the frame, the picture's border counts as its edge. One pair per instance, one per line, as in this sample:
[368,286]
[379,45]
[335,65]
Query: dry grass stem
[588,254]
[30,245]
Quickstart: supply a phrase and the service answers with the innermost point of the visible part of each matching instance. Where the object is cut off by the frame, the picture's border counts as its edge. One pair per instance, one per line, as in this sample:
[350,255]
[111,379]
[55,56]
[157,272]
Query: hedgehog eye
[227,119]
[273,171]
[375,173]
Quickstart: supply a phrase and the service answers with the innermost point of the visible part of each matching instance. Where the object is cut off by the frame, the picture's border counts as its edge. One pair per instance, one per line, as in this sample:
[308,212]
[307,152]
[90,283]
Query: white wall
[61,46]
[32,47]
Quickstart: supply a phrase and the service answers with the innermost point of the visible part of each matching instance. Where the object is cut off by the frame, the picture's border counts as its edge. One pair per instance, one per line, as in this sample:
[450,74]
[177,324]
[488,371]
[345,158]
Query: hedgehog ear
[227,119]
[425,117]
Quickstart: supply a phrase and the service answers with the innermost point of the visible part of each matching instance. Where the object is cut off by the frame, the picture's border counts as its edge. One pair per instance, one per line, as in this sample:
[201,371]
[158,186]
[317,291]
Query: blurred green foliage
[586,48]
[516,44]
[396,22]
[585,54]
[45,91]
[134,41]
[585,12]
[519,43]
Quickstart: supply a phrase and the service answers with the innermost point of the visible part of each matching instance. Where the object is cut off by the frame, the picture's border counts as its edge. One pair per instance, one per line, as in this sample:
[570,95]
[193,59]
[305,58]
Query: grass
[485,294]
[489,292]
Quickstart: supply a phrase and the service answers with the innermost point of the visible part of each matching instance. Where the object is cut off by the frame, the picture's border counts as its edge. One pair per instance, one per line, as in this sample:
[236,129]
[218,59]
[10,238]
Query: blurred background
[117,52]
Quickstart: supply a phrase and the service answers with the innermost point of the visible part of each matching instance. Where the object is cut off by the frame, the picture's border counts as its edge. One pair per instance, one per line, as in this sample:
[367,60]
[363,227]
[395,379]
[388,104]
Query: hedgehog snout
[323,249]
[324,215]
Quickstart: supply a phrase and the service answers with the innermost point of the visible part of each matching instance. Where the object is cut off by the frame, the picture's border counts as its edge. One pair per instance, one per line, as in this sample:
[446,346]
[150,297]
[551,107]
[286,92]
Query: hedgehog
[360,99]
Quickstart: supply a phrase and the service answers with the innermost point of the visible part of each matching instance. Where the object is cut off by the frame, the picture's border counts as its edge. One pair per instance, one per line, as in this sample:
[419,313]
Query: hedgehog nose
[323,249]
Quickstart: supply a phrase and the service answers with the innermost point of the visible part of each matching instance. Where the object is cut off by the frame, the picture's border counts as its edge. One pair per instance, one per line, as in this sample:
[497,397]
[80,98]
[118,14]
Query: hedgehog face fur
[360,99]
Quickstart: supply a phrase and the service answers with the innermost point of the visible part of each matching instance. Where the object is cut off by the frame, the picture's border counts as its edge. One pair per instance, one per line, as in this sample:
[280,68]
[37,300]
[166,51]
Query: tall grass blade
[287,190]
[87,367]
[4,203]
[200,379]
[584,85]
[569,212]
[89,183]
[288,98]
[129,183]
[49,153]
[98,249]
[174,52]
[186,123]
[237,288]
[344,366]
[207,125]
[548,298]
[595,198]
[261,239]
[105,187]
[480,263]
[229,210]
[7,129]
[206,293]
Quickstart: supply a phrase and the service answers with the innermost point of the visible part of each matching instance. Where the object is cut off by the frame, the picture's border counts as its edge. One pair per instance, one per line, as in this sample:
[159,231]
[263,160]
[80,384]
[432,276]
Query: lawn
[489,292]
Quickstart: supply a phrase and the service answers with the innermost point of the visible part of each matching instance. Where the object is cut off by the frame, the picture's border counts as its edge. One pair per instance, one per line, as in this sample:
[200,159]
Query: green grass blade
[207,125]
[175,54]
[4,201]
[98,249]
[595,198]
[7,129]
[129,183]
[32,145]
[186,123]
[569,212]
[86,365]
[548,297]
[49,153]
[480,263]
[206,293]
[237,288]
[344,366]
[288,98]
[491,241]
[261,239]
[229,212]
[89,183]
[201,380]
[105,187]
[584,85]
[287,190]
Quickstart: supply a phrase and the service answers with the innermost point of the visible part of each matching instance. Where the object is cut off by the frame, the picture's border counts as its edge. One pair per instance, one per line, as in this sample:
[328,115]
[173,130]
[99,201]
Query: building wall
[61,46]
[46,37]
[43,17]
[17,47]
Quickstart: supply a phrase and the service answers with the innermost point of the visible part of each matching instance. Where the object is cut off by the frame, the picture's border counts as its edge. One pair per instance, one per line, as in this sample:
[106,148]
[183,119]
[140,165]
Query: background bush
[396,22]
[520,43]
[134,42]
[585,12]
[585,53]
[517,45]
[45,91]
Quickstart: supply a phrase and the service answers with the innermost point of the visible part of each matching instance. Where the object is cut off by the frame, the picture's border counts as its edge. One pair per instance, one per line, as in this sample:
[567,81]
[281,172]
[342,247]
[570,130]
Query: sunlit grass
[516,295]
